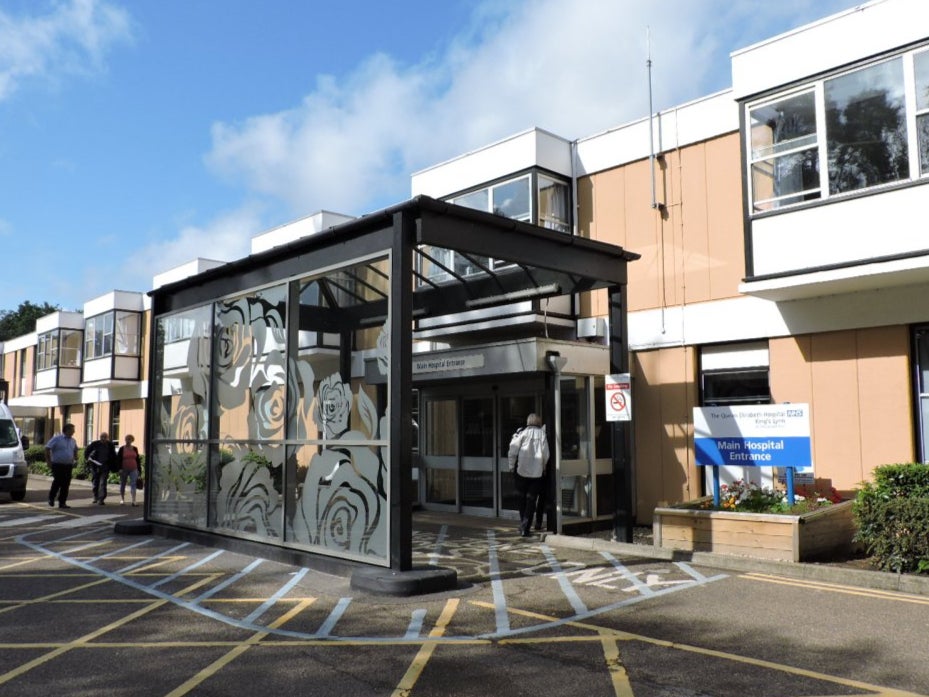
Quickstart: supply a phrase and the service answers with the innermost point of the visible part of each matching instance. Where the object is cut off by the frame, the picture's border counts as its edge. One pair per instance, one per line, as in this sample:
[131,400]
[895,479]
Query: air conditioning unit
[591,328]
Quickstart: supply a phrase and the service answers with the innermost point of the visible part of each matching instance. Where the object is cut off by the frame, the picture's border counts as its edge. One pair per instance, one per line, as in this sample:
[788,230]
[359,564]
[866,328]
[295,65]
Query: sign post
[762,435]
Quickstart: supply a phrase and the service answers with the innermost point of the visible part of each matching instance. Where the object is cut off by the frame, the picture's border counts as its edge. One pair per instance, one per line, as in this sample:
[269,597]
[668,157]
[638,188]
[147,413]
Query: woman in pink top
[128,458]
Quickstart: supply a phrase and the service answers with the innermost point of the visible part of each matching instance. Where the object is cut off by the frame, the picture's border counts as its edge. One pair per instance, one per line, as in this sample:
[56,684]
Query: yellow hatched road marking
[87,638]
[878,690]
[838,588]
[408,681]
[238,650]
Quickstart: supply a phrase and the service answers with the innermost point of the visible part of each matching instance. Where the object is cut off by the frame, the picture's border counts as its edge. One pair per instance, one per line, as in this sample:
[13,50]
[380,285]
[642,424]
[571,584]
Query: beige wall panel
[791,373]
[834,409]
[886,400]
[663,400]
[608,194]
[724,216]
[643,236]
[857,385]
[132,420]
[693,206]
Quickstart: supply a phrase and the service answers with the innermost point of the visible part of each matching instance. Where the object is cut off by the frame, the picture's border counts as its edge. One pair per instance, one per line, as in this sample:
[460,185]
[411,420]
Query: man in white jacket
[528,456]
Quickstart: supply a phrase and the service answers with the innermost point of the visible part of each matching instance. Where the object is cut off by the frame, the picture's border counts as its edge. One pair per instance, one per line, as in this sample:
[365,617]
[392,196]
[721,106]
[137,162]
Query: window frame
[818,89]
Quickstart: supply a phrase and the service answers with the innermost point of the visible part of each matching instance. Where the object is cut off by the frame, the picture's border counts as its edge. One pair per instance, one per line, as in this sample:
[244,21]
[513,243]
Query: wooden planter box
[822,533]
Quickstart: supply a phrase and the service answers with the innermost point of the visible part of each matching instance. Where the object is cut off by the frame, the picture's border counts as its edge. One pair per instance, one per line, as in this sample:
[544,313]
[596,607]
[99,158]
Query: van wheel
[18,495]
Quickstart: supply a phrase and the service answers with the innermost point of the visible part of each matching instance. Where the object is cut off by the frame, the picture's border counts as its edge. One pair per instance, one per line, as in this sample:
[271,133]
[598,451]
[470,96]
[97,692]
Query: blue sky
[136,135]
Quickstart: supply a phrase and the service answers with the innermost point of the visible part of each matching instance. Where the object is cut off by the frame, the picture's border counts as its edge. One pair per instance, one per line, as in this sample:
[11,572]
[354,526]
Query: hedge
[893,517]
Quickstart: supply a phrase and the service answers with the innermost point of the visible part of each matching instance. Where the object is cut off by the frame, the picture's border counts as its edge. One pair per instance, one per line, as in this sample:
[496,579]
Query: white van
[13,470]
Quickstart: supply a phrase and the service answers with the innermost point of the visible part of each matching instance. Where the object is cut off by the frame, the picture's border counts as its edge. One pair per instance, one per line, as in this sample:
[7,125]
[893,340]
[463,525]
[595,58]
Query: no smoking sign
[618,397]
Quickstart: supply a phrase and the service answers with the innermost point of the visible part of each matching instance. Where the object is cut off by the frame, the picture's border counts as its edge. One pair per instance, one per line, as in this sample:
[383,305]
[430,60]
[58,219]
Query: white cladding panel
[115,300]
[734,356]
[59,320]
[304,227]
[750,318]
[689,123]
[858,229]
[535,148]
[862,31]
[98,369]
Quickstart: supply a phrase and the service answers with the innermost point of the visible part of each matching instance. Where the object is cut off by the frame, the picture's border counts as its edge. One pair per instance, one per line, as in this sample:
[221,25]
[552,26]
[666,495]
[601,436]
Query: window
[922,109]
[727,387]
[785,159]
[47,351]
[114,421]
[842,134]
[98,336]
[866,128]
[69,352]
[921,389]
[128,333]
[533,197]
[88,423]
[553,205]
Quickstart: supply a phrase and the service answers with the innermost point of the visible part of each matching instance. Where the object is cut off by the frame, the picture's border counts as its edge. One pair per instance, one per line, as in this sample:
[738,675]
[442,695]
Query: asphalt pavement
[86,611]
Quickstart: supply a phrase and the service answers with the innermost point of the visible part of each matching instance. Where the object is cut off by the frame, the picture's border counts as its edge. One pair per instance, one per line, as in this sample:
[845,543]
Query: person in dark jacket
[101,456]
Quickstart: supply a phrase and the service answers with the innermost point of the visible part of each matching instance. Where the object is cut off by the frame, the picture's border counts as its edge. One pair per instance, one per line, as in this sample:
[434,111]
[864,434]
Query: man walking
[61,454]
[528,456]
[101,455]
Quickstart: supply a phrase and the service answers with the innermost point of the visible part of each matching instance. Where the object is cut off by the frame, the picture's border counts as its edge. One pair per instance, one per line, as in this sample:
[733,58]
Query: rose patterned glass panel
[182,374]
[248,493]
[177,484]
[249,366]
[177,479]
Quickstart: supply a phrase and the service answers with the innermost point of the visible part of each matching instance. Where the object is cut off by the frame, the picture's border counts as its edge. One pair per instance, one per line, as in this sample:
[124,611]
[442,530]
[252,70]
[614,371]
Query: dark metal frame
[543,263]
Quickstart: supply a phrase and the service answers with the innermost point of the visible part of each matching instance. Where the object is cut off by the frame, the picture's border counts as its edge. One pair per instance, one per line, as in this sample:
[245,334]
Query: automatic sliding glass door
[440,453]
[477,456]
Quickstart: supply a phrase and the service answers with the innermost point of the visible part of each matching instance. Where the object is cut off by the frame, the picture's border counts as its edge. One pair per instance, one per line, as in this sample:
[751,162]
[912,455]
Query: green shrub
[35,453]
[893,517]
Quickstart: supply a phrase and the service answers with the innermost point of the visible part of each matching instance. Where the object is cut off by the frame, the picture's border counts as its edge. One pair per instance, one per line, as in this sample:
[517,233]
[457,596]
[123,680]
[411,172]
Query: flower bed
[816,528]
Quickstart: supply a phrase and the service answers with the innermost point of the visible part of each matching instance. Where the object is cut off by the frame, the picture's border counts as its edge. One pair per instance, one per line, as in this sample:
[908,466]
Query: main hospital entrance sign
[760,435]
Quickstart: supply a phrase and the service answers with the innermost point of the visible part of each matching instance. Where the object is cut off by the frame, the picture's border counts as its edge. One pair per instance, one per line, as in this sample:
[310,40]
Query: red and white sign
[618,390]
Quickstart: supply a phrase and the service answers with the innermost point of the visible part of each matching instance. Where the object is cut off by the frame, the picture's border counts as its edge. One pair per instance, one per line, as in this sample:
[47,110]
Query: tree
[21,321]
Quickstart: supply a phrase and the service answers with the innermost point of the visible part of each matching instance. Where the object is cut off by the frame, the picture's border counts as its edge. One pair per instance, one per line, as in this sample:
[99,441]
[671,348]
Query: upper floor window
[59,348]
[857,124]
[117,331]
[533,197]
[46,355]
[98,336]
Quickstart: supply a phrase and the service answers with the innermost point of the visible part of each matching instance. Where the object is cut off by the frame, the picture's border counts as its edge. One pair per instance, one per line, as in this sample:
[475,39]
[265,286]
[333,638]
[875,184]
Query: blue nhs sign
[761,435]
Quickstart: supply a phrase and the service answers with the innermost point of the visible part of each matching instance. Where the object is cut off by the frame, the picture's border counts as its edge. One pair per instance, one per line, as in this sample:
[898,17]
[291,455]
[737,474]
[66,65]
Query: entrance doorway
[465,439]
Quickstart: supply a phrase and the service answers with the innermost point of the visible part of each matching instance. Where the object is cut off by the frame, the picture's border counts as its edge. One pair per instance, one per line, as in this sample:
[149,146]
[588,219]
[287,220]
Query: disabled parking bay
[86,611]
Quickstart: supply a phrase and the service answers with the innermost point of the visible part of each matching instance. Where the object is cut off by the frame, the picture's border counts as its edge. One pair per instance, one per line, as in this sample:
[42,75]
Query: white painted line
[228,582]
[563,580]
[281,592]
[13,522]
[415,630]
[434,556]
[334,617]
[187,569]
[628,575]
[496,585]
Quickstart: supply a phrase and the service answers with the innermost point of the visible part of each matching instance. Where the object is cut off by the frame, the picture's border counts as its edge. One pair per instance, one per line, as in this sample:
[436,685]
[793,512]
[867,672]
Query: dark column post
[622,430]
[400,467]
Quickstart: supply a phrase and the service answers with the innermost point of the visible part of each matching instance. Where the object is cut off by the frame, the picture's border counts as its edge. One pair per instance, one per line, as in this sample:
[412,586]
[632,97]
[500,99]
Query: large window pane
[70,351]
[866,128]
[553,205]
[511,199]
[128,330]
[785,161]
[922,109]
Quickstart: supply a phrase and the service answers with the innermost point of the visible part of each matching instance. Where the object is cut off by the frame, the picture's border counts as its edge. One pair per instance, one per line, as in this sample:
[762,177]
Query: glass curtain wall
[261,436]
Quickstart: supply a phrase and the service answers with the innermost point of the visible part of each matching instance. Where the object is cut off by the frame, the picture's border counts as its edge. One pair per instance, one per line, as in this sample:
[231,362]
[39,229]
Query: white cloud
[573,69]
[225,238]
[72,39]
